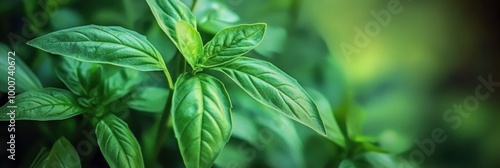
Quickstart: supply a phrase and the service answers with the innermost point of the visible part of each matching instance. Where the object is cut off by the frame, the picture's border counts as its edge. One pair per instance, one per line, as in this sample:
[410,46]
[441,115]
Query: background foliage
[391,94]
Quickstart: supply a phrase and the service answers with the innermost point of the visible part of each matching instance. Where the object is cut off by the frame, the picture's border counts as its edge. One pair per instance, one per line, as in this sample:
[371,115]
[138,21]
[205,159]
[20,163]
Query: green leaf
[272,87]
[275,41]
[232,42]
[40,158]
[189,42]
[100,44]
[63,154]
[167,13]
[362,144]
[166,47]
[79,77]
[119,84]
[213,16]
[43,105]
[25,79]
[333,132]
[149,99]
[202,118]
[117,143]
[380,159]
[265,129]
[347,163]
[232,155]
[101,84]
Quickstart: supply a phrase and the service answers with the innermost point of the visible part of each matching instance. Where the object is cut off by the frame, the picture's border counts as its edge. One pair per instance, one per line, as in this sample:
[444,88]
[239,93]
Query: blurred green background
[387,98]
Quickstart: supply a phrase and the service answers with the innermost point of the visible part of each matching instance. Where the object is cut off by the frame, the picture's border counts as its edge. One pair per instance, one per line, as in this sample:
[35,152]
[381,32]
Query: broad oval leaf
[63,154]
[149,99]
[232,42]
[25,79]
[189,42]
[102,44]
[272,87]
[167,13]
[202,118]
[117,143]
[43,105]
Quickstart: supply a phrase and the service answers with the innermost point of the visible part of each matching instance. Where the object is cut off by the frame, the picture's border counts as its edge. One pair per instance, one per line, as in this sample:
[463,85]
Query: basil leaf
[272,87]
[63,154]
[232,42]
[189,42]
[79,77]
[100,83]
[166,47]
[213,16]
[253,122]
[41,158]
[380,159]
[347,163]
[100,44]
[168,12]
[117,143]
[25,79]
[43,105]
[119,84]
[149,99]
[201,118]
[333,132]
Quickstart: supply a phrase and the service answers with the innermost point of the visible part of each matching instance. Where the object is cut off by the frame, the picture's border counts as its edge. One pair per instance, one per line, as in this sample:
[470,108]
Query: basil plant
[197,104]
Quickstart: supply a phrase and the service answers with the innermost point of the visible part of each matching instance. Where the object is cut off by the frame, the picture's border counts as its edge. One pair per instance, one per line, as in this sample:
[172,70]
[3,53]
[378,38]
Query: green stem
[169,78]
[166,72]
[193,5]
[294,14]
[164,126]
[182,65]
[166,119]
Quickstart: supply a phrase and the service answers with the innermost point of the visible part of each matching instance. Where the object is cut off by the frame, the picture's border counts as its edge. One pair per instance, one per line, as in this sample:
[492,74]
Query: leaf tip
[32,42]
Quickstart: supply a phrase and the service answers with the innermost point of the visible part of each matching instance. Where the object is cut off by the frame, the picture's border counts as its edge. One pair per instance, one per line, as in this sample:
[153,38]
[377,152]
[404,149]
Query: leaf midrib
[113,132]
[108,42]
[229,46]
[222,69]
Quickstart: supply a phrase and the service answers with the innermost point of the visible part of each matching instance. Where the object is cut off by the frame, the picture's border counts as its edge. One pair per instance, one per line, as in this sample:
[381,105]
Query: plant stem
[294,13]
[169,78]
[166,119]
[193,4]
[182,65]
[164,126]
